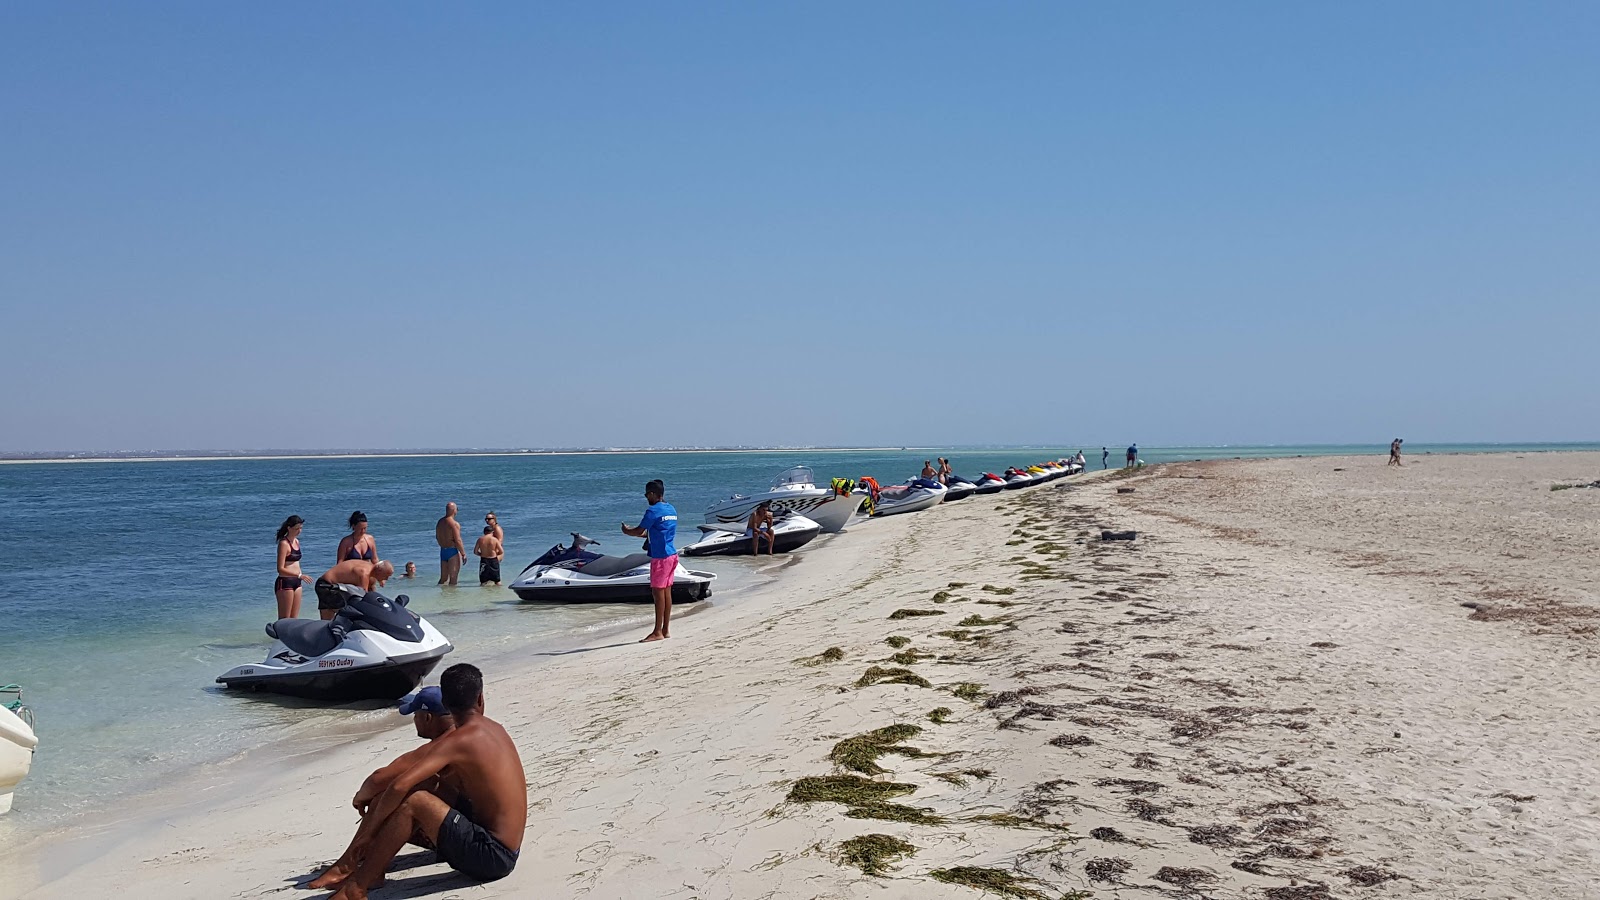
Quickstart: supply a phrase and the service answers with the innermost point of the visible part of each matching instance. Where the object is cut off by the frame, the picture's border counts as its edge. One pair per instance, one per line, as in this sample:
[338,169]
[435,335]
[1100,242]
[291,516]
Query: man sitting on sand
[488,551]
[357,572]
[432,721]
[478,831]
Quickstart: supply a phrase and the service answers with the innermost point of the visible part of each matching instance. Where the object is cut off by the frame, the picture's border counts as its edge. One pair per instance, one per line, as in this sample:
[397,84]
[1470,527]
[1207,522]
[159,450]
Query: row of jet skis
[376,648]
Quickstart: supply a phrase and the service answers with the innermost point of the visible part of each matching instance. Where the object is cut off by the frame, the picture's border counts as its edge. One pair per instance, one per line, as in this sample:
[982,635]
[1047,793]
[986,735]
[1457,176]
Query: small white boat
[17,743]
[913,496]
[795,490]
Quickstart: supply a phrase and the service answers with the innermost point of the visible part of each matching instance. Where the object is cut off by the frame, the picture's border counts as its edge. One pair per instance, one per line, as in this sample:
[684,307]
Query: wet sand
[1274,691]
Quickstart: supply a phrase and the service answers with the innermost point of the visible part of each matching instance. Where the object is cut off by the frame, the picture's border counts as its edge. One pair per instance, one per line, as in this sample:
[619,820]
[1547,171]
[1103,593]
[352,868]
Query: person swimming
[358,544]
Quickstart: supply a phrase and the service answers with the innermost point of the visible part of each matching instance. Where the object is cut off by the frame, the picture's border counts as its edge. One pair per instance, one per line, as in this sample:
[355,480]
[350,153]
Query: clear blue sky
[242,225]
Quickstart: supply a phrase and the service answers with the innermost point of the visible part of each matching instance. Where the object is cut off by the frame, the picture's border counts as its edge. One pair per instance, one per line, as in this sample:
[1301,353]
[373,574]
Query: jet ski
[790,532]
[17,744]
[957,488]
[374,649]
[990,483]
[576,575]
[1016,478]
[916,494]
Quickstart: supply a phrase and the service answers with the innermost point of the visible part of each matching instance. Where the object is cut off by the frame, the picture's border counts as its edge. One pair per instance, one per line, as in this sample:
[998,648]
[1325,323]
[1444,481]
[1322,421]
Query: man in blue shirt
[660,526]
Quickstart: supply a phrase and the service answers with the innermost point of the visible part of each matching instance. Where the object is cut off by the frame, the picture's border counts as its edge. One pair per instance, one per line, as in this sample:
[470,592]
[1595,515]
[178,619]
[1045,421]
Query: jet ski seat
[307,637]
[612,565]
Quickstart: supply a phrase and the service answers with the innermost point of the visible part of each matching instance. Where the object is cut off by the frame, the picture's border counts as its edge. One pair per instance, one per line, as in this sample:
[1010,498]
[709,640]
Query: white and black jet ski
[374,649]
[790,532]
[990,483]
[958,488]
[1017,478]
[913,496]
[575,575]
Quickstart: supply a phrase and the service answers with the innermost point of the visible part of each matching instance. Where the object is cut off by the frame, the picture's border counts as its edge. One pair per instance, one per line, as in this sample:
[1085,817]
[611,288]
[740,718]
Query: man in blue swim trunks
[478,832]
[451,551]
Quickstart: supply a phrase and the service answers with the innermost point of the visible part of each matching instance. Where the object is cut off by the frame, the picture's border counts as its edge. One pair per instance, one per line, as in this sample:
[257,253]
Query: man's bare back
[488,547]
[447,532]
[485,767]
[356,572]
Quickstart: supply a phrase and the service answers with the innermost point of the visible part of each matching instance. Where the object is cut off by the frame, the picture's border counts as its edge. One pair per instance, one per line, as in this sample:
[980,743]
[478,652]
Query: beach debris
[1324,645]
[1299,892]
[957,585]
[846,789]
[940,715]
[1215,835]
[860,753]
[872,853]
[1110,835]
[1568,487]
[1132,785]
[959,779]
[910,657]
[895,812]
[994,881]
[1106,868]
[1149,812]
[832,654]
[998,590]
[1012,820]
[1183,877]
[1368,876]
[967,690]
[913,613]
[1124,490]
[1514,798]
[977,621]
[1118,535]
[897,641]
[891,675]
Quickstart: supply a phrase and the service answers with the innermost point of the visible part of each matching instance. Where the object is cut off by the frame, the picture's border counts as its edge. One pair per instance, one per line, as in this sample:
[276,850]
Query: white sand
[1217,734]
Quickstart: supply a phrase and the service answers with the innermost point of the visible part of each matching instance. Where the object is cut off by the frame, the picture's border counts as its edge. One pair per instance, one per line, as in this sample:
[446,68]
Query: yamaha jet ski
[374,649]
[990,483]
[790,531]
[957,488]
[916,494]
[576,575]
[1016,478]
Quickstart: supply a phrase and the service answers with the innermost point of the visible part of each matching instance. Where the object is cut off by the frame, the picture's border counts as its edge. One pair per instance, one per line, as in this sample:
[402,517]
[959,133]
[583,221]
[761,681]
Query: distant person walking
[488,552]
[1133,455]
[447,532]
[1394,452]
[660,527]
[290,578]
[358,544]
[1105,457]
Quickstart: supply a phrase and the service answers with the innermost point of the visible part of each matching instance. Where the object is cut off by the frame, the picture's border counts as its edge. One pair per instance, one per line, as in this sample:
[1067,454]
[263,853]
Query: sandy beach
[1276,691]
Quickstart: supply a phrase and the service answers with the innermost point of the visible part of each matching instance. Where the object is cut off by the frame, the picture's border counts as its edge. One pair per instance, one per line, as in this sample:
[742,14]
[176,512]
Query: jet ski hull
[558,584]
[790,534]
[960,493]
[892,502]
[392,680]
[829,510]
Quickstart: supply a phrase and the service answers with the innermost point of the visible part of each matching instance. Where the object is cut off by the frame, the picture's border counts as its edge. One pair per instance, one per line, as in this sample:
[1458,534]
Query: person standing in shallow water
[290,578]
[358,544]
[488,552]
[1105,458]
[660,527]
[447,532]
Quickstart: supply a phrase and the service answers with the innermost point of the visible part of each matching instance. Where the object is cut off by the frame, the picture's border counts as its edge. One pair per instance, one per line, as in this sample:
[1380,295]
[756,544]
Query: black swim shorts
[329,596]
[471,850]
[488,570]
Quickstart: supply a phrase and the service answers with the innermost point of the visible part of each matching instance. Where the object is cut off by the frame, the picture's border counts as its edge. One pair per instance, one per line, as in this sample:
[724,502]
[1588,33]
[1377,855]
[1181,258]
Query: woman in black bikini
[358,544]
[287,587]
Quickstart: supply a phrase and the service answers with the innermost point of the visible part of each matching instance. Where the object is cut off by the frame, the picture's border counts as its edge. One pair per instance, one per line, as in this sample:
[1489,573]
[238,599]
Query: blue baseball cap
[429,698]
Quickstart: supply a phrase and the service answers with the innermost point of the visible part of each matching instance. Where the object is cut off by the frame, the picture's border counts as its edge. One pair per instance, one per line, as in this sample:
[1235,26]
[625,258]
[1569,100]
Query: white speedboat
[790,532]
[575,575]
[17,743]
[913,496]
[794,490]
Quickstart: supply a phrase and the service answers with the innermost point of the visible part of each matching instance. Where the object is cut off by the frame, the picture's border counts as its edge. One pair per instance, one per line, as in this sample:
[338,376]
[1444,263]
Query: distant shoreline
[431,454]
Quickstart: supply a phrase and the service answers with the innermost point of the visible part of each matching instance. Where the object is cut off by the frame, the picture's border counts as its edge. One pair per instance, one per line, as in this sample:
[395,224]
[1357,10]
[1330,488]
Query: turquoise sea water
[125,588]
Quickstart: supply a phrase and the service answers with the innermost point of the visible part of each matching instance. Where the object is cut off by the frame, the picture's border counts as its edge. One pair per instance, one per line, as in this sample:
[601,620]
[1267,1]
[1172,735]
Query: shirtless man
[479,833]
[432,721]
[760,525]
[928,471]
[1394,452]
[451,551]
[357,572]
[488,551]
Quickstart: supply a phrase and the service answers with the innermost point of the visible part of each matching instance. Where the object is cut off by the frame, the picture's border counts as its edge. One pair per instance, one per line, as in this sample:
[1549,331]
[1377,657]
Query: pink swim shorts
[661,571]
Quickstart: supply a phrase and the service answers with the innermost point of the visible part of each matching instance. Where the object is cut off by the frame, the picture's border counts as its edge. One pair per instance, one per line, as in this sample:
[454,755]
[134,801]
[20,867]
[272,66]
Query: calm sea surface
[126,588]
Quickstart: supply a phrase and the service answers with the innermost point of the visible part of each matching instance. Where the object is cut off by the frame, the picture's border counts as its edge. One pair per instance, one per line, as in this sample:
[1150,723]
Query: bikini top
[294,552]
[353,553]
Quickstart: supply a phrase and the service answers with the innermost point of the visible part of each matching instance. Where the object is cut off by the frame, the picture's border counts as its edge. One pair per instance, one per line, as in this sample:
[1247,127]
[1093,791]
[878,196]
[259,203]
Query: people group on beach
[1394,452]
[357,564]
[463,794]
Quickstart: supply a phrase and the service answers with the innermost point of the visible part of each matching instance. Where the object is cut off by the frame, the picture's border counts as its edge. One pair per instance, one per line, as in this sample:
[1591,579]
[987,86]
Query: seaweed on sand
[894,812]
[860,753]
[1012,820]
[1182,877]
[994,881]
[832,654]
[1106,868]
[872,853]
[977,621]
[940,715]
[891,675]
[897,640]
[999,590]
[959,779]
[910,657]
[850,790]
[913,613]
[967,690]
